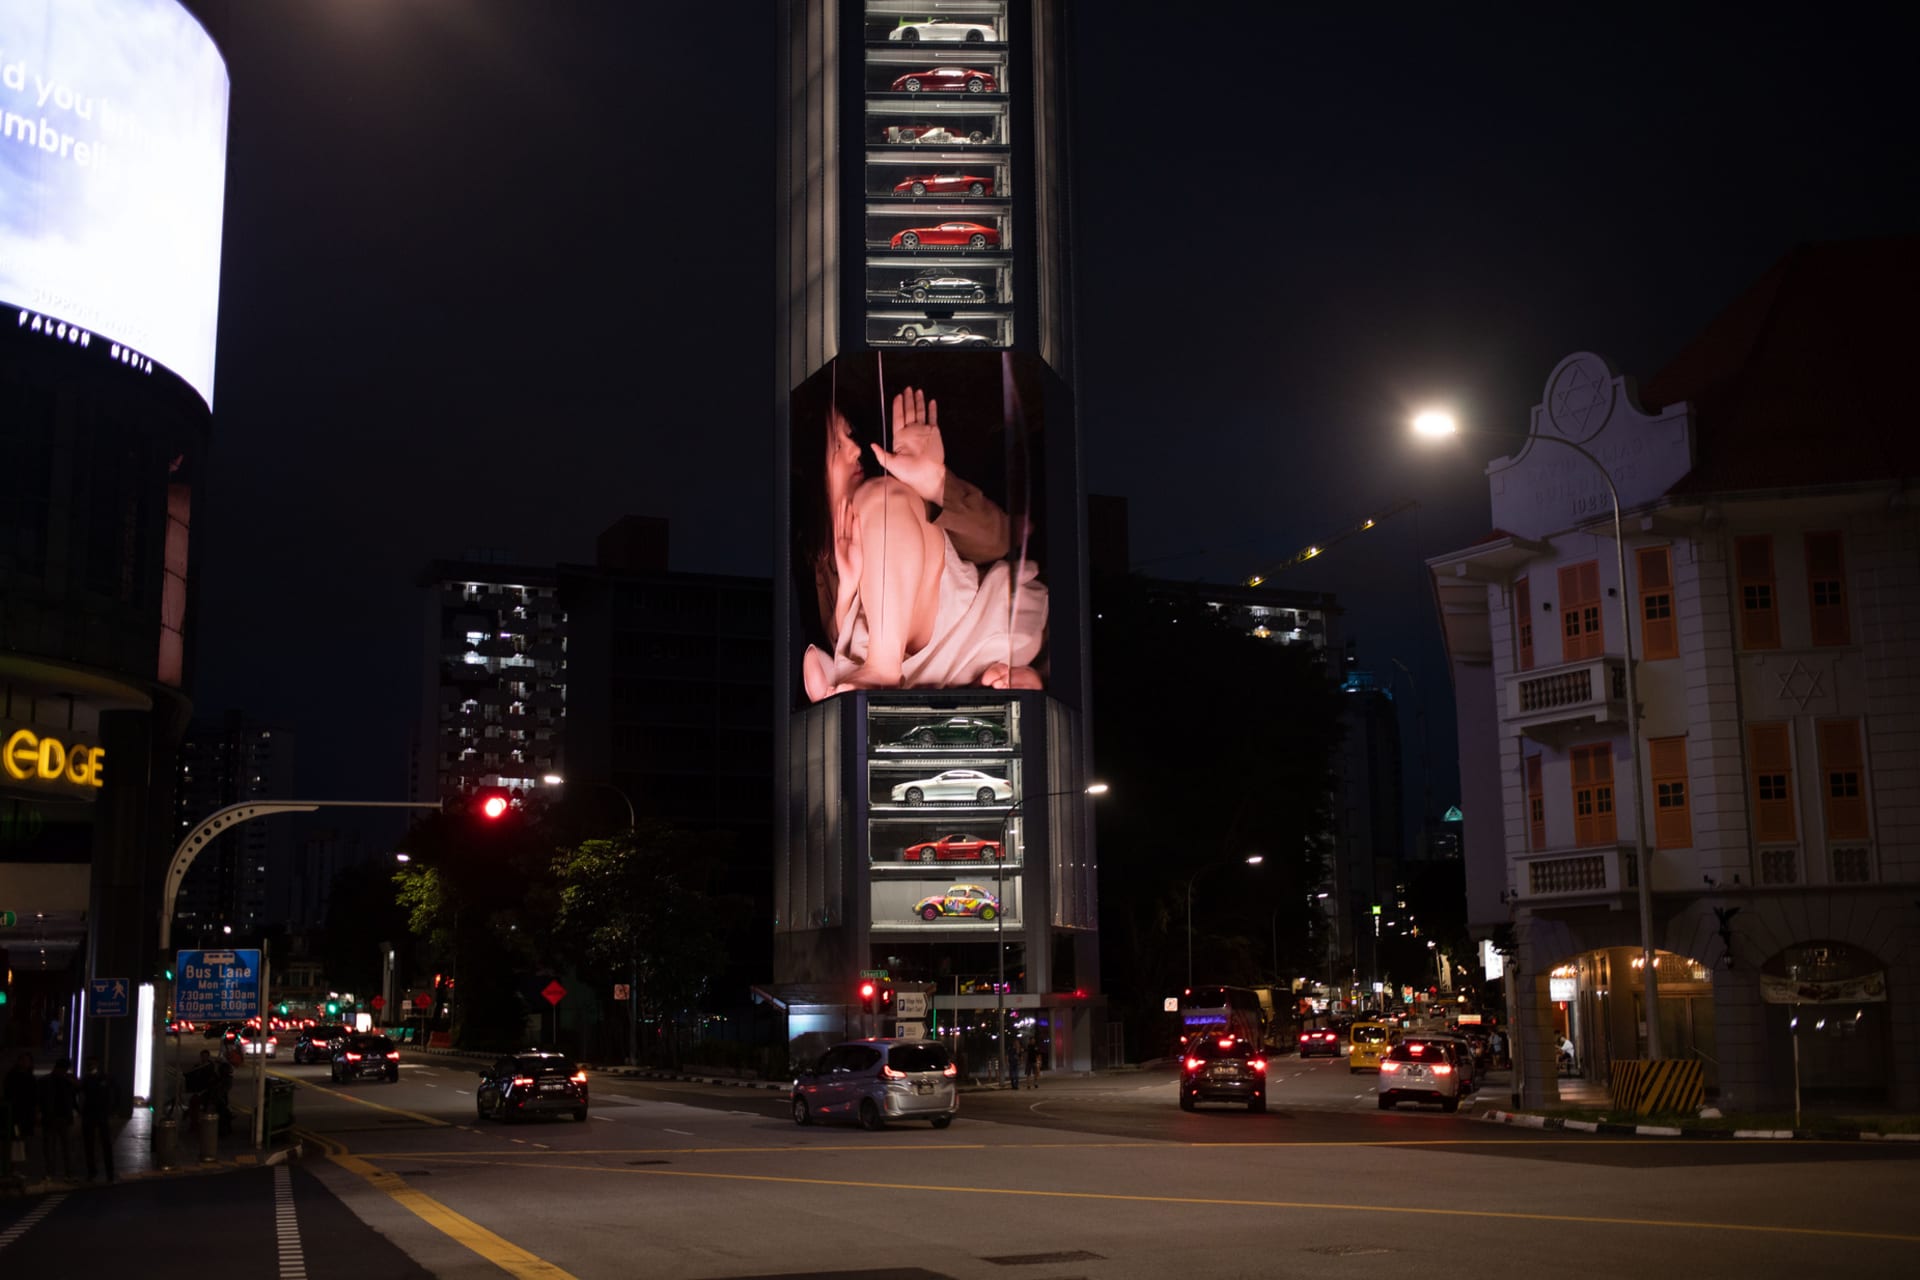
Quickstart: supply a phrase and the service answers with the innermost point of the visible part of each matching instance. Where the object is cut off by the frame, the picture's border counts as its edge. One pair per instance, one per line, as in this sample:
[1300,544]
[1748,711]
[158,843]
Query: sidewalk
[134,1156]
[1581,1095]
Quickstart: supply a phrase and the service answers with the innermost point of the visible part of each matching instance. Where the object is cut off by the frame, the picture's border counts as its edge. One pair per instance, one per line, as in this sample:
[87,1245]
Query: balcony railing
[1852,864]
[1571,874]
[1560,701]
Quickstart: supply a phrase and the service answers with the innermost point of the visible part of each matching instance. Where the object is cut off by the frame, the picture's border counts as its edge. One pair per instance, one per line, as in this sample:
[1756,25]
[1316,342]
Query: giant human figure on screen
[909,568]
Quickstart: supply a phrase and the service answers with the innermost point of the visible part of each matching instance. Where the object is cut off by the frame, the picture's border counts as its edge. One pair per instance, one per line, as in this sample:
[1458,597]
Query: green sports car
[957,731]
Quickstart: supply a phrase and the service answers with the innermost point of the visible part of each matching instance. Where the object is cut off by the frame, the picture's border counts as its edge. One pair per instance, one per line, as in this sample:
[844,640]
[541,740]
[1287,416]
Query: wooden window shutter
[1827,589]
[1580,630]
[1843,779]
[1672,823]
[1536,807]
[1593,817]
[1759,606]
[1523,622]
[1771,760]
[1659,630]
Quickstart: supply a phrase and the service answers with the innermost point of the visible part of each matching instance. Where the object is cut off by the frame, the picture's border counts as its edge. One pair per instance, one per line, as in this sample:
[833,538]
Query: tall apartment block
[232,883]
[495,687]
[932,823]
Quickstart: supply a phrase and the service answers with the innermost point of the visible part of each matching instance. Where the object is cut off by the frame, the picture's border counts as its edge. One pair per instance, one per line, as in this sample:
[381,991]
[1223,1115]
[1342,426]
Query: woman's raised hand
[918,458]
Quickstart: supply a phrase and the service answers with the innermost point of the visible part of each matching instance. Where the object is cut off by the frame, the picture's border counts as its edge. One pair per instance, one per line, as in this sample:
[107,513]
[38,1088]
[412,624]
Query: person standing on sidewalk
[57,1103]
[21,1096]
[1033,1062]
[97,1105]
[1013,1065]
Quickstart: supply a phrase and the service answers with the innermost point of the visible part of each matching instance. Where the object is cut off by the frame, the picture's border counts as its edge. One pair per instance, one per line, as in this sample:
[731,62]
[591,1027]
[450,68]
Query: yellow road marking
[377,1106]
[948,1189]
[503,1253]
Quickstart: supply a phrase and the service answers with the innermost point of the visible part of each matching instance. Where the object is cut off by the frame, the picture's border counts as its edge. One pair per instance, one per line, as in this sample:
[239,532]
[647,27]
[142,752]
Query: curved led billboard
[113,145]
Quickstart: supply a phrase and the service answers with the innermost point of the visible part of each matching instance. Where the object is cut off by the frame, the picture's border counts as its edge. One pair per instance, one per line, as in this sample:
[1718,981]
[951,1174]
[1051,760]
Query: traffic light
[886,1000]
[867,993]
[493,803]
[333,1008]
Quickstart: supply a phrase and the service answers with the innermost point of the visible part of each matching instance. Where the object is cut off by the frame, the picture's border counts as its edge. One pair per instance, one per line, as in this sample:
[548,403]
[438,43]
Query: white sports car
[943,29]
[955,784]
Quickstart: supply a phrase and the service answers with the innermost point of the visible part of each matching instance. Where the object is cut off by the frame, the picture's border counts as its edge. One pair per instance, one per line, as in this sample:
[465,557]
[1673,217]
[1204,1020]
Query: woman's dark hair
[850,385]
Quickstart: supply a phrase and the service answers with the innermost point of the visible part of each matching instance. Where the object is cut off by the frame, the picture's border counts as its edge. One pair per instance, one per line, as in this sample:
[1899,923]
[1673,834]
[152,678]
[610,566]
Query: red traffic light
[867,991]
[493,806]
[886,999]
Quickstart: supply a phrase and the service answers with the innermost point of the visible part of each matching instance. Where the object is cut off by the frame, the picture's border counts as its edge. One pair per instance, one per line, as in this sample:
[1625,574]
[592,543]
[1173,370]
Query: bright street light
[403,857]
[1435,423]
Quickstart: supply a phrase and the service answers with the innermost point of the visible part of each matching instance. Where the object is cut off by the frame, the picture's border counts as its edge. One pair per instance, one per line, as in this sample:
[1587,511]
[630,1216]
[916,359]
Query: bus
[1213,1011]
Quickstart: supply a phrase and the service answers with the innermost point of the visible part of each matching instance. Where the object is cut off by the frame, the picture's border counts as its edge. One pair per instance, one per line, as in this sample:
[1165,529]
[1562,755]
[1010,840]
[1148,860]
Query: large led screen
[915,525]
[113,145]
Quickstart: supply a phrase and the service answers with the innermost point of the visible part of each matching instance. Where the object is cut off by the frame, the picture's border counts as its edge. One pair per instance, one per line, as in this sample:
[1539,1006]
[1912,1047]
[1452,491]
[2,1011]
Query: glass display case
[938,214]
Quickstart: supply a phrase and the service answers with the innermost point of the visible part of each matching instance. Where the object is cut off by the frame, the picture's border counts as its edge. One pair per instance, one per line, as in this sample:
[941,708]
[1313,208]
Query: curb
[1524,1120]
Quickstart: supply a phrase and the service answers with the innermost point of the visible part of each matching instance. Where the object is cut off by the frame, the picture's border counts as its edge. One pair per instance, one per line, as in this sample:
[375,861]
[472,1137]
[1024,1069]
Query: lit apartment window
[1659,633]
[1827,590]
[1523,622]
[1759,603]
[1770,752]
[1843,767]
[1593,821]
[1672,823]
[1580,635]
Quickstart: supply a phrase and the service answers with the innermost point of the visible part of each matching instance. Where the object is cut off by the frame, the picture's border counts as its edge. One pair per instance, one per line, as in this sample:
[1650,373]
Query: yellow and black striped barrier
[1656,1086]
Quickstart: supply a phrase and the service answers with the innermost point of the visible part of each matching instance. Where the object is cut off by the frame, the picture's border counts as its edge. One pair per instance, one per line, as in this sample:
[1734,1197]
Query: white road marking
[27,1223]
[286,1226]
[608,1119]
[682,1132]
[461,1091]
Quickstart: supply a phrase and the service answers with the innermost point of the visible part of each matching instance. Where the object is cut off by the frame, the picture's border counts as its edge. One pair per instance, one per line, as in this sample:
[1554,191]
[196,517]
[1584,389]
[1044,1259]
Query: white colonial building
[1771,595]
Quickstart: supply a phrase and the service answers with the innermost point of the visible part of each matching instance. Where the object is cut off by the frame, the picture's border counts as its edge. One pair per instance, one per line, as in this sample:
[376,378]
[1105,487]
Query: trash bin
[279,1107]
[209,1136]
[165,1133]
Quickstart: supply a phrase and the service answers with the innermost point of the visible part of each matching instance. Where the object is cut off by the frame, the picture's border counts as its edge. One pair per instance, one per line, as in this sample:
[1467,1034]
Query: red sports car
[953,848]
[973,235]
[934,184]
[946,80]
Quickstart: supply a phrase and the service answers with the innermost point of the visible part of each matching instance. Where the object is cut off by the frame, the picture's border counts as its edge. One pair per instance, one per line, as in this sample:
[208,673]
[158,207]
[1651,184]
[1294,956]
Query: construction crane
[1320,548]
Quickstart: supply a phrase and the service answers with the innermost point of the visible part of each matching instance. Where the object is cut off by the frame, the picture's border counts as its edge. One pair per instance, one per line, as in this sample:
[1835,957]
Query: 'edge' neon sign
[28,757]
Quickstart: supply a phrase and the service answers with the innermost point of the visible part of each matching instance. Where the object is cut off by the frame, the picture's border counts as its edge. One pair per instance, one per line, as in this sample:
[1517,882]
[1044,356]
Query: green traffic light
[3,997]
[333,1007]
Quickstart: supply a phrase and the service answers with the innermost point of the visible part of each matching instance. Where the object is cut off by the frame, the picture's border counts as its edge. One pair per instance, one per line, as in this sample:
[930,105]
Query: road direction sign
[215,986]
[912,1030]
[911,1005]
[554,992]
[107,997]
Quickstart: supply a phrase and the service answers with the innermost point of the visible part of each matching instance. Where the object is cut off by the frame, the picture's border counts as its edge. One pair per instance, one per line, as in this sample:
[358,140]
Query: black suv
[530,1083]
[365,1055]
[315,1044]
[1223,1069]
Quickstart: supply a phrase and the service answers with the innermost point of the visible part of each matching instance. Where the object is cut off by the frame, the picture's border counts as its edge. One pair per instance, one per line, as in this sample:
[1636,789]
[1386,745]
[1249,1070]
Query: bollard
[165,1132]
[209,1137]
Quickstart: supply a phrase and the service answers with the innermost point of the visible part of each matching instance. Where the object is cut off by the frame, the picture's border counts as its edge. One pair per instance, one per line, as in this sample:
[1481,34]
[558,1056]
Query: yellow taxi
[1369,1042]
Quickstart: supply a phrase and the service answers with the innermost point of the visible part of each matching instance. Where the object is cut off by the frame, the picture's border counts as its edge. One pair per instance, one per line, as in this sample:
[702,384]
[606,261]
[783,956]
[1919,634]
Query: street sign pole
[260,1059]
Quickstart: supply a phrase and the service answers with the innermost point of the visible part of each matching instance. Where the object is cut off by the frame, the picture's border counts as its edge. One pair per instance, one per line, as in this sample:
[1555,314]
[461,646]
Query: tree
[634,904]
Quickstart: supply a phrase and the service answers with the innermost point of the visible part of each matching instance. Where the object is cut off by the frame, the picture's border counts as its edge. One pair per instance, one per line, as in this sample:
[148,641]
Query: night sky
[497,272]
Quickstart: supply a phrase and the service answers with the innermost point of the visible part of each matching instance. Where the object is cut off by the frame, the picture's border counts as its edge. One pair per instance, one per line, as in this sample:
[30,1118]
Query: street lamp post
[1252,860]
[1440,424]
[1000,913]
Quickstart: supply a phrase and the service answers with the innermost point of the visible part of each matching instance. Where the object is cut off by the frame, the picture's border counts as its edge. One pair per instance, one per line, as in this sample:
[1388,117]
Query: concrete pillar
[1536,1050]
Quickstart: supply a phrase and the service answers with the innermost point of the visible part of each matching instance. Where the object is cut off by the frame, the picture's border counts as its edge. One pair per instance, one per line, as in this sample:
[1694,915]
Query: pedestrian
[1033,1062]
[20,1096]
[1013,1065]
[223,1093]
[58,1099]
[97,1105]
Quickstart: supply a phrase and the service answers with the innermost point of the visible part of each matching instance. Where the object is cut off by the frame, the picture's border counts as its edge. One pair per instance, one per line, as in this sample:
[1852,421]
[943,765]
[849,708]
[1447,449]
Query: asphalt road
[1100,1177]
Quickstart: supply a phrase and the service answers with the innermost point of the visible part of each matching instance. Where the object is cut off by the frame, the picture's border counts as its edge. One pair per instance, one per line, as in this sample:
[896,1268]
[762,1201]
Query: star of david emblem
[1581,401]
[1799,685]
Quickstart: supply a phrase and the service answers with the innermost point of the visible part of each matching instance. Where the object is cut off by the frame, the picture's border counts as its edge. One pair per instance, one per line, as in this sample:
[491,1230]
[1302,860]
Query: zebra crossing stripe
[286,1226]
[27,1223]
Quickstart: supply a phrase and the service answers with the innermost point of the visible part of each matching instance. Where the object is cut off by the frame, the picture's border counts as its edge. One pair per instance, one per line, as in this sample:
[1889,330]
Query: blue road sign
[107,997]
[217,986]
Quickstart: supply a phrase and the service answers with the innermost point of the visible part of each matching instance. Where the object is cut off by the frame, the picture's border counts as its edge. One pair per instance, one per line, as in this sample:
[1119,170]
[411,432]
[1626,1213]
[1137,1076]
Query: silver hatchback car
[874,1081]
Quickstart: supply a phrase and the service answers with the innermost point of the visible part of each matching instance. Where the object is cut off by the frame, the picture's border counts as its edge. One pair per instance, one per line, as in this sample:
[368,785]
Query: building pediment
[1548,487]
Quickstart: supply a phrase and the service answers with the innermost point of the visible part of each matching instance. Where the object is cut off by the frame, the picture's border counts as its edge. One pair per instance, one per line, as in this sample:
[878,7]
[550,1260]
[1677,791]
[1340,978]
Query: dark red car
[946,80]
[945,184]
[953,848]
[1320,1040]
[972,235]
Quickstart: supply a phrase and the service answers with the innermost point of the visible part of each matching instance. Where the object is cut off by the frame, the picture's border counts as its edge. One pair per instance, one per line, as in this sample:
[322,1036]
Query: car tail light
[1389,1066]
[273,1039]
[890,1074]
[1226,1042]
[523,1082]
[950,1071]
[1193,1064]
[1442,1069]
[394,1056]
[1304,1037]
[578,1077]
[353,1057]
[1258,1064]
